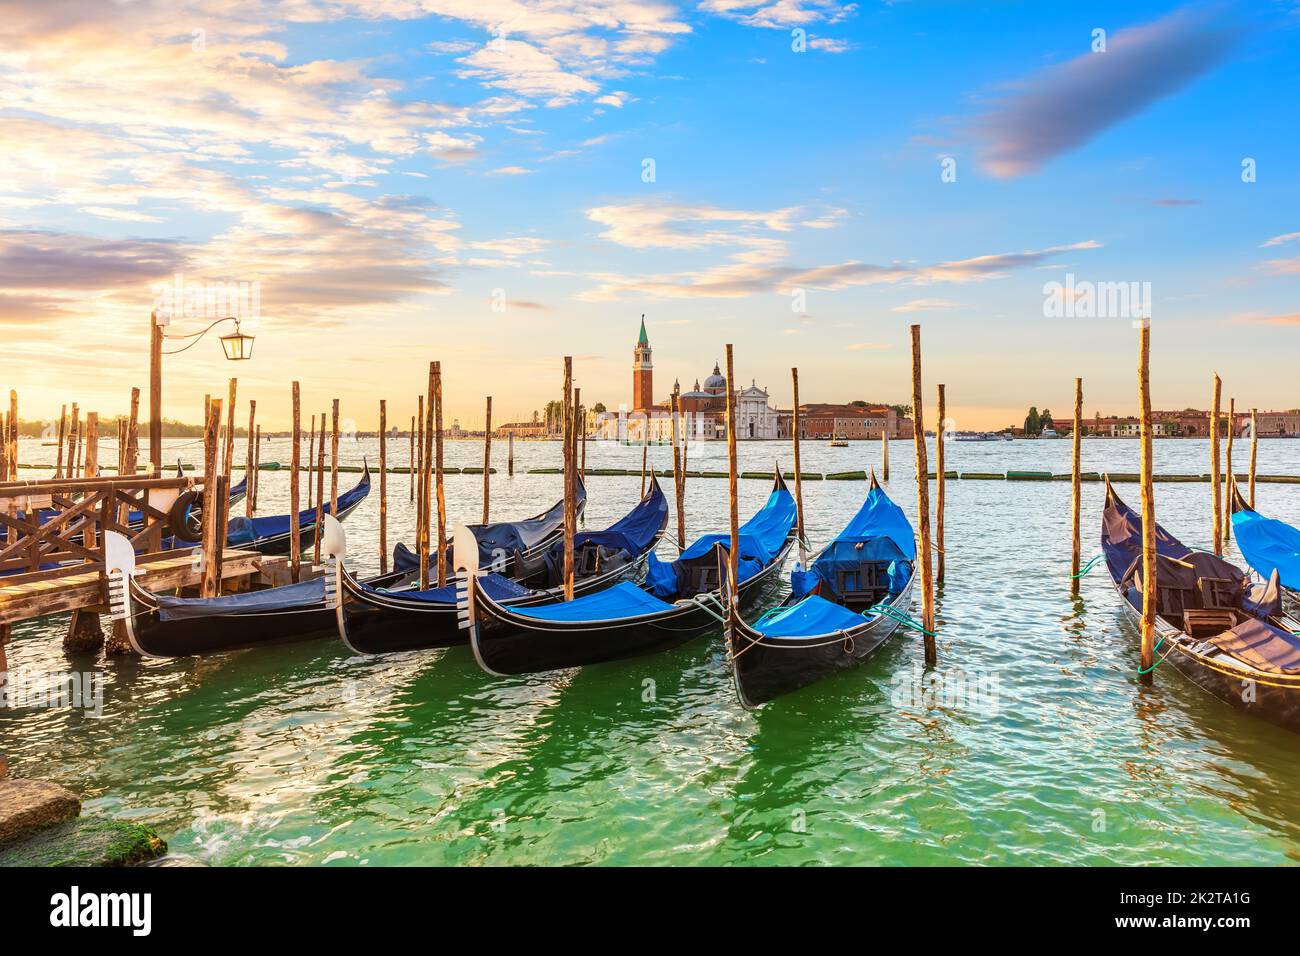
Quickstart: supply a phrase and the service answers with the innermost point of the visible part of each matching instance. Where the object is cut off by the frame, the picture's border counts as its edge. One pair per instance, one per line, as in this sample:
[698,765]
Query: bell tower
[642,372]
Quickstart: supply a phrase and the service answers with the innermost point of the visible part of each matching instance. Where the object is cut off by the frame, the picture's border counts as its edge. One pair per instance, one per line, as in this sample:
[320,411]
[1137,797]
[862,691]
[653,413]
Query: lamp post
[237,346]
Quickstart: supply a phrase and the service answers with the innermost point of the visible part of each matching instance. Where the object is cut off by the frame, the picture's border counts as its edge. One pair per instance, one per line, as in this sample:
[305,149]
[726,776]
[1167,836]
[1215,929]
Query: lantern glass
[237,346]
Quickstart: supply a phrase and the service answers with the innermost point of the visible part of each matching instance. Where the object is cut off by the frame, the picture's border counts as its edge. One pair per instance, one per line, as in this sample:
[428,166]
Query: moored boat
[378,619]
[163,625]
[843,607]
[1226,635]
[1268,545]
[679,600]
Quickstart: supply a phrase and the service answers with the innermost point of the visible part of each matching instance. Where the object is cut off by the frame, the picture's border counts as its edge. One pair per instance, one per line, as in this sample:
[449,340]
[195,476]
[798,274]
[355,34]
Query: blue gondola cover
[812,615]
[879,532]
[1269,545]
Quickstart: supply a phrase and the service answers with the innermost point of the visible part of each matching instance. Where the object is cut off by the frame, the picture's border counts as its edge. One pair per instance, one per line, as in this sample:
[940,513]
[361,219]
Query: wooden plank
[923,502]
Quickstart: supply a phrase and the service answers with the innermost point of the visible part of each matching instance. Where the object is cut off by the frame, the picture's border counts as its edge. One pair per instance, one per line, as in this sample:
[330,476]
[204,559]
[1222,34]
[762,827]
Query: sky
[500,183]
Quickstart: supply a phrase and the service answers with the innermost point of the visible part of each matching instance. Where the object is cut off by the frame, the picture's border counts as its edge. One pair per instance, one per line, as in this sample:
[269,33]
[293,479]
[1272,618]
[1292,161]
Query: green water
[306,754]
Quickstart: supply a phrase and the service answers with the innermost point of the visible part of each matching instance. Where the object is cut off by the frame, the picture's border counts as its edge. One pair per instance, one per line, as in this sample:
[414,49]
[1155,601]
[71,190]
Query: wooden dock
[87,590]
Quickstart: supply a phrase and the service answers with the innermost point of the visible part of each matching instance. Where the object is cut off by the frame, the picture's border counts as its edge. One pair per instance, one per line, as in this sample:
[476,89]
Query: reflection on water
[306,754]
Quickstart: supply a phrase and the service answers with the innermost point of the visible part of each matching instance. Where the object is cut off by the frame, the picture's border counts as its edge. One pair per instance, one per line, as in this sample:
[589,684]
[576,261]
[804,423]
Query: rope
[1161,660]
[1089,566]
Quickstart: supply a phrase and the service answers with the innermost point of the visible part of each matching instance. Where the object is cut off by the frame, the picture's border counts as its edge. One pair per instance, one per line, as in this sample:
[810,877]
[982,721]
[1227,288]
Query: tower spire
[643,339]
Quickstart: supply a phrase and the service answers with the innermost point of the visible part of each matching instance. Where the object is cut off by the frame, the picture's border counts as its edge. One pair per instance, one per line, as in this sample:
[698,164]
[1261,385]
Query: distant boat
[836,442]
[1049,433]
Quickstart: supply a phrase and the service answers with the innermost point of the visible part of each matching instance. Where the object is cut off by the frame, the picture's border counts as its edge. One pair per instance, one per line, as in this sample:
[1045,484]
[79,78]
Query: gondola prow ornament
[334,542]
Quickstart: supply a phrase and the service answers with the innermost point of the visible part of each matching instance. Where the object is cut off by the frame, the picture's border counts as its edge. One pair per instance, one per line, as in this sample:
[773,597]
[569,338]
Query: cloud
[757,262]
[780,14]
[831,45]
[925,305]
[865,346]
[1175,202]
[510,171]
[1256,318]
[1279,240]
[1063,107]
[1283,267]
[524,69]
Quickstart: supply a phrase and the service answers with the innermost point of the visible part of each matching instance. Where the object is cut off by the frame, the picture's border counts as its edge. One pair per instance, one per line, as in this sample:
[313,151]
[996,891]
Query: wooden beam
[733,499]
[249,459]
[679,479]
[1254,451]
[487,461]
[1215,479]
[939,484]
[383,486]
[426,453]
[794,435]
[334,458]
[155,396]
[570,515]
[295,465]
[437,478]
[63,428]
[211,585]
[1075,486]
[923,502]
[320,493]
[1227,474]
[1149,504]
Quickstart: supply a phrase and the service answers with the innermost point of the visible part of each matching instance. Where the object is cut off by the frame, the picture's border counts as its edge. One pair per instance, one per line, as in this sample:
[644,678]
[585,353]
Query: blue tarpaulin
[503,538]
[761,539]
[1269,545]
[622,600]
[812,616]
[879,532]
[289,597]
[498,588]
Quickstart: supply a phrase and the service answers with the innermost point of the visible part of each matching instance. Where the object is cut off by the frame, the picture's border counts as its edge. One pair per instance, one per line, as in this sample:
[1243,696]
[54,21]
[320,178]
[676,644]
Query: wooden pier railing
[61,521]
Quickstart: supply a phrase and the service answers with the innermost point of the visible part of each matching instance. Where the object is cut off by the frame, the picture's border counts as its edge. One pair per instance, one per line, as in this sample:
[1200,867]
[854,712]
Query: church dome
[716,380]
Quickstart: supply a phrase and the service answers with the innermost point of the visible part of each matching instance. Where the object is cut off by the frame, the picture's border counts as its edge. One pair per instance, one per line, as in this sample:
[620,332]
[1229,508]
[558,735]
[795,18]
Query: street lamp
[237,346]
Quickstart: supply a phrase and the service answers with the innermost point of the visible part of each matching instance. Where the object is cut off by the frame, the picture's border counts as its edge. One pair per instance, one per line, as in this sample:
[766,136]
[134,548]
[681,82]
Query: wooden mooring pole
[422,490]
[645,449]
[1215,479]
[487,460]
[383,486]
[249,459]
[923,502]
[155,396]
[132,460]
[733,490]
[211,542]
[1254,451]
[510,454]
[63,427]
[570,503]
[939,478]
[679,479]
[1227,474]
[320,493]
[334,459]
[798,470]
[295,464]
[438,488]
[1075,486]
[884,451]
[1149,505]
[410,460]
[311,453]
[257,466]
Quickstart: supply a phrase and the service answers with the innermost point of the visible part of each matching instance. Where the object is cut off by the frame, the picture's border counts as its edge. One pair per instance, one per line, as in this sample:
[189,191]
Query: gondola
[164,626]
[374,619]
[1268,545]
[848,602]
[1228,636]
[677,601]
[506,543]
[272,534]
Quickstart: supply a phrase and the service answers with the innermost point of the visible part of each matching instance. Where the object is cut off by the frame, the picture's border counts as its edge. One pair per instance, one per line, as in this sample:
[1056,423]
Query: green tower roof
[643,339]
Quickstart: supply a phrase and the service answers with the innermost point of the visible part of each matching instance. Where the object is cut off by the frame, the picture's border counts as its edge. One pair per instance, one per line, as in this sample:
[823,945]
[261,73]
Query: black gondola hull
[767,668]
[514,644]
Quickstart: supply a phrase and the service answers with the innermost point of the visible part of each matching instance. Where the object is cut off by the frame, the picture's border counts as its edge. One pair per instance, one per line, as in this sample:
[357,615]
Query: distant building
[521,430]
[703,408]
[853,422]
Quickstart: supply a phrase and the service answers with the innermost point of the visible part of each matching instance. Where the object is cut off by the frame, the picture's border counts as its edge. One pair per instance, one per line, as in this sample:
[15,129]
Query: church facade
[703,408]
